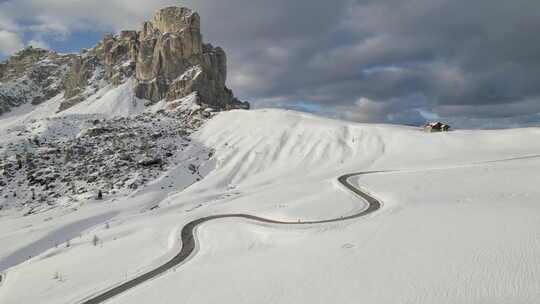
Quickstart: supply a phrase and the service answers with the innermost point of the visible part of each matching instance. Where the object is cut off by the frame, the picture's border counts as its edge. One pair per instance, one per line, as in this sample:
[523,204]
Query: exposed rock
[79,74]
[173,62]
[112,61]
[113,155]
[167,57]
[175,19]
[149,162]
[97,131]
[167,60]
[32,75]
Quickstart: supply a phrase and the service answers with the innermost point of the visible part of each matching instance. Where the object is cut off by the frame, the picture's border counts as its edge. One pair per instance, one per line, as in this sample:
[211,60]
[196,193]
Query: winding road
[189,240]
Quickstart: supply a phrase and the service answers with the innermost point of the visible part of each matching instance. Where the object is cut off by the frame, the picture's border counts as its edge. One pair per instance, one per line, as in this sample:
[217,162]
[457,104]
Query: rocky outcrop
[167,58]
[33,76]
[110,62]
[176,19]
[173,62]
[115,156]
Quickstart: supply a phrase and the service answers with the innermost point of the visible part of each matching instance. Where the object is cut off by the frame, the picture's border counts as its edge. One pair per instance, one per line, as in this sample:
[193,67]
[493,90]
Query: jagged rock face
[167,59]
[173,62]
[31,76]
[176,19]
[111,61]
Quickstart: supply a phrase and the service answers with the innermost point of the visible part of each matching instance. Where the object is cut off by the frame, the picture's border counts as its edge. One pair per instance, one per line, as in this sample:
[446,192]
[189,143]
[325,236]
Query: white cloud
[9,42]
[367,110]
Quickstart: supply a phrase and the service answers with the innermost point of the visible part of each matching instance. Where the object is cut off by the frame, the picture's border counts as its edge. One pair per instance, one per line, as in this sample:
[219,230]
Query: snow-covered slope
[111,101]
[459,222]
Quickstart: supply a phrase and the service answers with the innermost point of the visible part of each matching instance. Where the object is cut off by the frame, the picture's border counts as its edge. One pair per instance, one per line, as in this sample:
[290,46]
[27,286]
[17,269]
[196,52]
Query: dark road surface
[189,242]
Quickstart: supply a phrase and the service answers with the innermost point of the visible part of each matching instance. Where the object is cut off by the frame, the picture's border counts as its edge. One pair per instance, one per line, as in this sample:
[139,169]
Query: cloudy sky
[473,63]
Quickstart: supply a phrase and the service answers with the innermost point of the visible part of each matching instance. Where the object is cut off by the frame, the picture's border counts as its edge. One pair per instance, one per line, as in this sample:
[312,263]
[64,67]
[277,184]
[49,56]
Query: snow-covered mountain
[110,119]
[120,148]
[165,60]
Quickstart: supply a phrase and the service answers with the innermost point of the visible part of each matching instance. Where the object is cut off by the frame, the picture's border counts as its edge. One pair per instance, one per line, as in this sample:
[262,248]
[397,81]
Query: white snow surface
[111,101]
[460,220]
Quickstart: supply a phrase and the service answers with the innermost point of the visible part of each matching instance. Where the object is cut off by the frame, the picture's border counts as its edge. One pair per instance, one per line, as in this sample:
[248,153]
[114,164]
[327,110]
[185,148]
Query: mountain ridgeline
[166,58]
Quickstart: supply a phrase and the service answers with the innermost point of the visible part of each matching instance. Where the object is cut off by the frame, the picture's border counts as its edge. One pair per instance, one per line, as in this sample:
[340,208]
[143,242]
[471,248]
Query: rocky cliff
[32,76]
[166,58]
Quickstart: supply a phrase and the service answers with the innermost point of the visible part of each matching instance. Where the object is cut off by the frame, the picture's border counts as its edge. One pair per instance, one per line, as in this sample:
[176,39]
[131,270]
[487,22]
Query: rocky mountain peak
[166,59]
[175,19]
[108,142]
[173,62]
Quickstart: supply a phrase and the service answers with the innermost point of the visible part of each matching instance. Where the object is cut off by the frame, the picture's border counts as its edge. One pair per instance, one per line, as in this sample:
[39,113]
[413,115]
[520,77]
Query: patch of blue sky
[71,43]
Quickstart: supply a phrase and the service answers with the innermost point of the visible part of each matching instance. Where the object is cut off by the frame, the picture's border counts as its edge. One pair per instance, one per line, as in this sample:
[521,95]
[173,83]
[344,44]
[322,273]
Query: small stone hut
[436,127]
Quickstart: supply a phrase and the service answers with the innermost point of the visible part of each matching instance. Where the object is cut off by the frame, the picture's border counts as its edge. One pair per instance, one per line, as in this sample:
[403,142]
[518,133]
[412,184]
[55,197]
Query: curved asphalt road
[189,243]
[188,237]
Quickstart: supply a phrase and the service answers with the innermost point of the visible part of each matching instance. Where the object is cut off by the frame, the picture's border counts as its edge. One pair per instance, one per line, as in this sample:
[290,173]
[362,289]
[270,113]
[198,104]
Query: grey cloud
[461,60]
